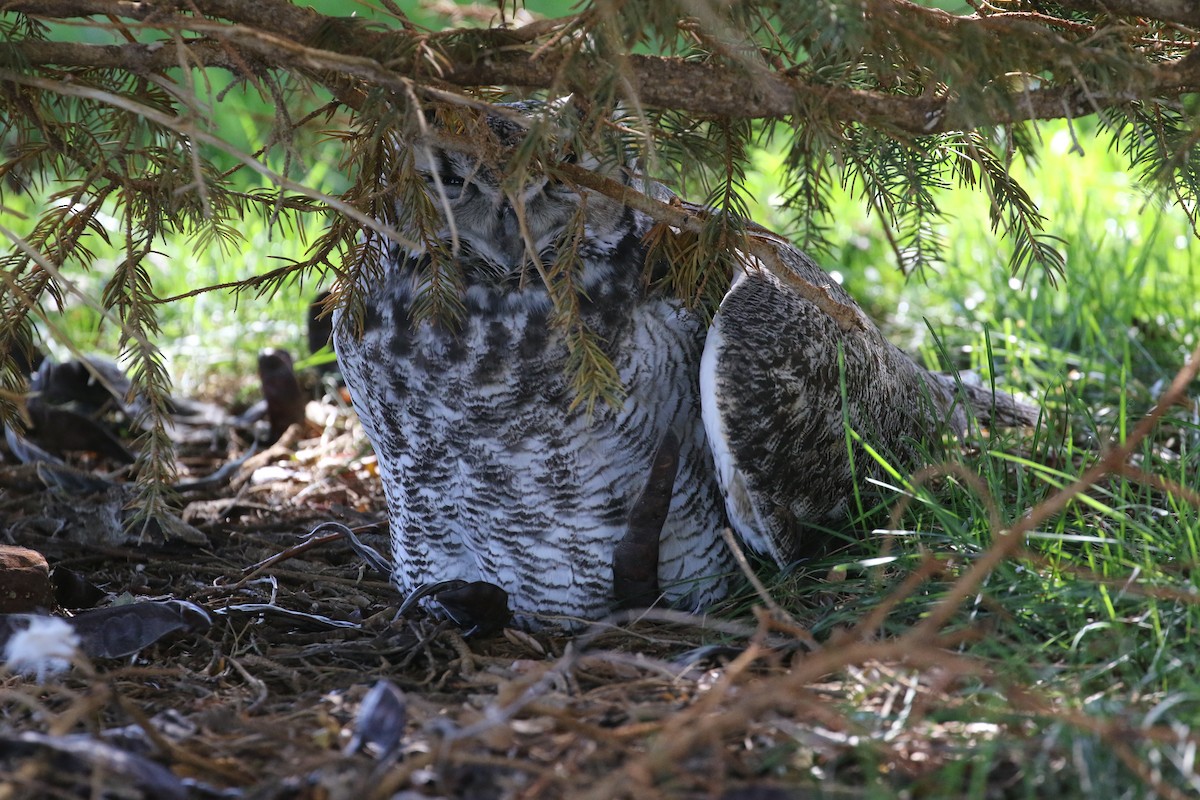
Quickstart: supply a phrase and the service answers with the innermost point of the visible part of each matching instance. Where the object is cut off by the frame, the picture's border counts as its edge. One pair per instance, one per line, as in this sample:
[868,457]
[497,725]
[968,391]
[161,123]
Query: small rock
[24,581]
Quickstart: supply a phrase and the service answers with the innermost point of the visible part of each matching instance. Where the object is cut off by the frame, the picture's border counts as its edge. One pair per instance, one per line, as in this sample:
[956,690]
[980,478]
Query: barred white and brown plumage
[493,474]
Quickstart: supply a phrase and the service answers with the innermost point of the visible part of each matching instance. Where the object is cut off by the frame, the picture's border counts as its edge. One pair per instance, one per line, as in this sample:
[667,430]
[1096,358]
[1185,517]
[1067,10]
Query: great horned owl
[493,473]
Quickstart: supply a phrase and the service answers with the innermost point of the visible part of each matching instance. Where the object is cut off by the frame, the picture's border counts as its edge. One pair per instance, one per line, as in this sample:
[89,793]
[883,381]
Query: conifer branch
[1182,12]
[279,35]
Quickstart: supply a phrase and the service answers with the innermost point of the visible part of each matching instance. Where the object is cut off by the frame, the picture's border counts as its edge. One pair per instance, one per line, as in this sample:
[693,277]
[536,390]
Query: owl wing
[793,380]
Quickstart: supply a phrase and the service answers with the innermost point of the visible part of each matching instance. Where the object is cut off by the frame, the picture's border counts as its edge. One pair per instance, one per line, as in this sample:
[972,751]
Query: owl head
[496,205]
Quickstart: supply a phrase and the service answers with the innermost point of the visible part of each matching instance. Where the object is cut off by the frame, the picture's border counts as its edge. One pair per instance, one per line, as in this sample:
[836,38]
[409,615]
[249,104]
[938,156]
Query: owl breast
[491,471]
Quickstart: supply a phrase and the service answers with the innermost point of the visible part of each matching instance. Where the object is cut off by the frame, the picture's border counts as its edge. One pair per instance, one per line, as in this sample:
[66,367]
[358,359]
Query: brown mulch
[264,704]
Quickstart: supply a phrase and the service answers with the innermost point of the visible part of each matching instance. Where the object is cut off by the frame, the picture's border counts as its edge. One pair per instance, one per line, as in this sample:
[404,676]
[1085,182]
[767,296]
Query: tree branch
[280,16]
[698,88]
[760,243]
[275,33]
[1182,12]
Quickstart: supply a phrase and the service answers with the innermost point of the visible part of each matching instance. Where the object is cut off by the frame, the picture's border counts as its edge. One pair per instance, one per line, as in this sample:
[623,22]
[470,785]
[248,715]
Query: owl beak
[508,234]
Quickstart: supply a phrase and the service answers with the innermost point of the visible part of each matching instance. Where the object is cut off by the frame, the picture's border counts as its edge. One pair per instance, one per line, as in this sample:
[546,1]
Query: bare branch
[278,34]
[288,20]
[1183,12]
[660,82]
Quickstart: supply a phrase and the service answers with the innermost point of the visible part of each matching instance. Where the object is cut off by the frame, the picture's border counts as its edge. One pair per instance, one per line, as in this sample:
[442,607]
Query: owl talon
[426,590]
[479,607]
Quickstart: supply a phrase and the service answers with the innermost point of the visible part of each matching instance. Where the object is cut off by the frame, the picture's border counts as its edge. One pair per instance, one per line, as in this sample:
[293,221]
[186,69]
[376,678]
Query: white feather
[44,649]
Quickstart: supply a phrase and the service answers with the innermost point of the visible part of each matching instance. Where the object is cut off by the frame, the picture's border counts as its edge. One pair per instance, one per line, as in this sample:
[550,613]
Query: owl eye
[447,174]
